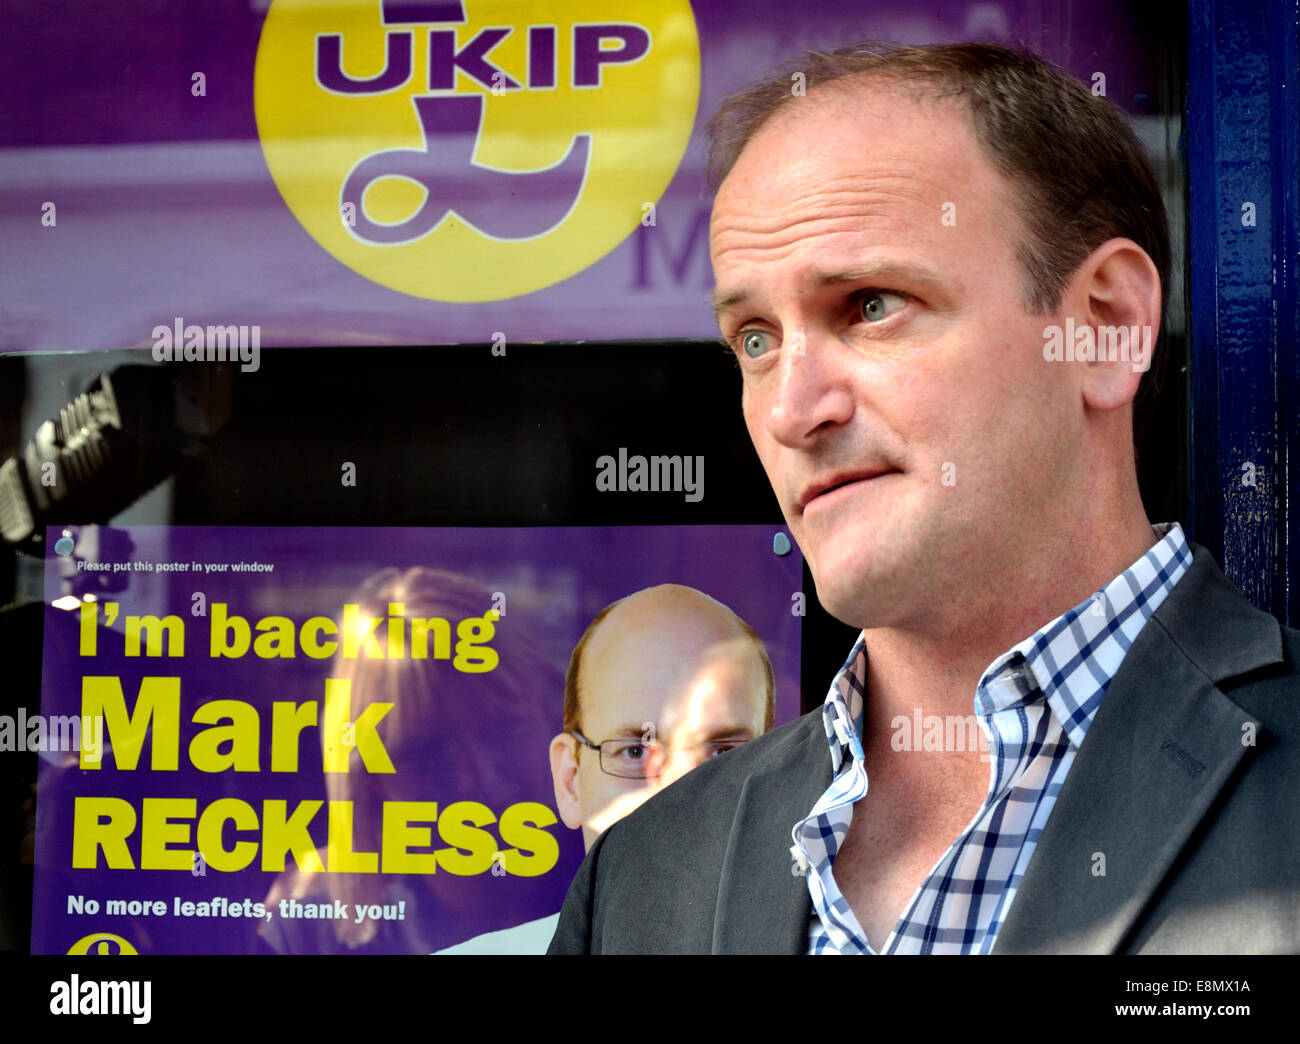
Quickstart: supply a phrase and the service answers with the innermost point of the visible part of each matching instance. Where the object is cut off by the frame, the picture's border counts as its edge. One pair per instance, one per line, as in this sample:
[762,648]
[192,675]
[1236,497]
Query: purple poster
[286,740]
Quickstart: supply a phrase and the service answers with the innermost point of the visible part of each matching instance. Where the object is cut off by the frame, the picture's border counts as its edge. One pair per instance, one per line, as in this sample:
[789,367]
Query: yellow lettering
[101,822]
[159,703]
[221,644]
[153,635]
[211,825]
[454,827]
[157,830]
[473,655]
[521,825]
[287,722]
[340,857]
[281,835]
[358,629]
[89,629]
[400,835]
[276,638]
[311,632]
[337,715]
[241,734]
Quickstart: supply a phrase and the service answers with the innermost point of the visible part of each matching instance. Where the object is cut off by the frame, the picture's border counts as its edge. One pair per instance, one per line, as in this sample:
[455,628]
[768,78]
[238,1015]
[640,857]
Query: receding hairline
[669,602]
[575,677]
[919,84]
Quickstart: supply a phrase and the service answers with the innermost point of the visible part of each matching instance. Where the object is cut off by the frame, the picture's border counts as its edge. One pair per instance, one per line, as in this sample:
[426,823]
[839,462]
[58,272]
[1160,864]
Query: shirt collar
[1069,662]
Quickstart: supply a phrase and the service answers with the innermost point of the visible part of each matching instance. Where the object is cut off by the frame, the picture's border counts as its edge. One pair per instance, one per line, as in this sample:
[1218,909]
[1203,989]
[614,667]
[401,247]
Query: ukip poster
[287,740]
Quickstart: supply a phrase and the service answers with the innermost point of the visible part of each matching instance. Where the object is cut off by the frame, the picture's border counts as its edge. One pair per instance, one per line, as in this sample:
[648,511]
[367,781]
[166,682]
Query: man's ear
[564,774]
[1117,290]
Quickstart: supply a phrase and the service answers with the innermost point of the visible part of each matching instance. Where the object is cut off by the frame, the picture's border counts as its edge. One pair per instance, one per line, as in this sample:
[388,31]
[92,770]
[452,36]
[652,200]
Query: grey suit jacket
[1188,783]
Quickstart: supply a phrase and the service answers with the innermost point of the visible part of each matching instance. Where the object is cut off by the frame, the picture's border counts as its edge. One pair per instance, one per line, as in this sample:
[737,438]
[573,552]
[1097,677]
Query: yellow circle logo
[100,944]
[473,150]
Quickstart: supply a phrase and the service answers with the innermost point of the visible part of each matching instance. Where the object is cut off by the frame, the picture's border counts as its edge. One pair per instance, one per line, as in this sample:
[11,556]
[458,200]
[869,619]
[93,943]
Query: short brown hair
[572,677]
[1081,174]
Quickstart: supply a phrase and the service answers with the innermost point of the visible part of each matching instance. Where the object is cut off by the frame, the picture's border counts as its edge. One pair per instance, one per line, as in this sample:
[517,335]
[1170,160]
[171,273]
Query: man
[660,682]
[897,253]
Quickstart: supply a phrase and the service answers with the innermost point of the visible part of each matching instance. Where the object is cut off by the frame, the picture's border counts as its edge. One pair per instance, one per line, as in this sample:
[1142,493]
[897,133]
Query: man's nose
[676,764]
[808,390]
[660,757]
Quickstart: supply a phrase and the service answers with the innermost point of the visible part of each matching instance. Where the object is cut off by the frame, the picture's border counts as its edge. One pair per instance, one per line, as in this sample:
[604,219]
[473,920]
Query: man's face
[671,678]
[894,386]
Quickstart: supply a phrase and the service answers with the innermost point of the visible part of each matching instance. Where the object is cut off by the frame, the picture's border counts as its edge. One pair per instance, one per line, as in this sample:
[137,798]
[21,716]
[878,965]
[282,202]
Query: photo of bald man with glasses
[660,682]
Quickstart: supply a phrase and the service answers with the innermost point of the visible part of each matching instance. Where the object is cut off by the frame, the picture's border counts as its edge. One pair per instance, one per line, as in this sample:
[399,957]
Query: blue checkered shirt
[1033,704]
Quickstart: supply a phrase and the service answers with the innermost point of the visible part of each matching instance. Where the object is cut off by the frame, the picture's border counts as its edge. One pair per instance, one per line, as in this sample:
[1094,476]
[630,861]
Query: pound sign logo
[474,150]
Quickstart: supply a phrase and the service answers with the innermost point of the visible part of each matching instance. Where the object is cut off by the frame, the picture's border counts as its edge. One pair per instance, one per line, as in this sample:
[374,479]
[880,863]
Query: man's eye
[631,752]
[879,305]
[754,342]
[721,748]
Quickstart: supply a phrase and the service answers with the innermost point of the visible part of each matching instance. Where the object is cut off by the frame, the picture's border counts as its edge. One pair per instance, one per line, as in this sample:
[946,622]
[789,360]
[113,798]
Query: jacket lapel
[1163,744]
[762,906]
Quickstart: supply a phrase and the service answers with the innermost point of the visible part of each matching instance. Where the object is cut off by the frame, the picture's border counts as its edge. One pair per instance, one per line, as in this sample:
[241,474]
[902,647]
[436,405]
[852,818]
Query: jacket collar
[763,905]
[1162,746]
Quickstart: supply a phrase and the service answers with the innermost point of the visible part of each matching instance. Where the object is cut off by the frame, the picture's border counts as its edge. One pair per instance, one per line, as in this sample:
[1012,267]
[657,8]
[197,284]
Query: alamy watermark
[131,997]
[63,732]
[938,732]
[657,474]
[1130,344]
[194,343]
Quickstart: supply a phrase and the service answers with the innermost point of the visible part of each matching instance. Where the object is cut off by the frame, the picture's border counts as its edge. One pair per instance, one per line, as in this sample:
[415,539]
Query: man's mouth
[829,484]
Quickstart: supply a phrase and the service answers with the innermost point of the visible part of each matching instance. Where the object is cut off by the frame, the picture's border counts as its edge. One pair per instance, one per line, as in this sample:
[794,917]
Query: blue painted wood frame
[1243,129]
